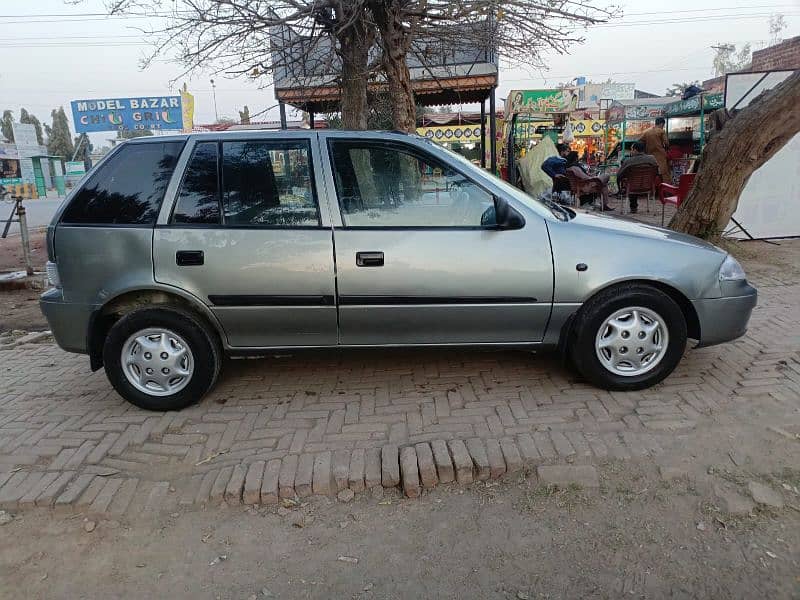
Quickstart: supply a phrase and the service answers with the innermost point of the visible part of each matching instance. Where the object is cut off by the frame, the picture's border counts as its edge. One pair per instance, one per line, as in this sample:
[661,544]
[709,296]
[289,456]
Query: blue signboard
[123,114]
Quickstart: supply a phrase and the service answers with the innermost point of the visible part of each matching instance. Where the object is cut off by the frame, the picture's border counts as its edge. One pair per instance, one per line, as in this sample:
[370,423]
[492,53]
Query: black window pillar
[493,131]
[282,107]
[310,120]
[483,134]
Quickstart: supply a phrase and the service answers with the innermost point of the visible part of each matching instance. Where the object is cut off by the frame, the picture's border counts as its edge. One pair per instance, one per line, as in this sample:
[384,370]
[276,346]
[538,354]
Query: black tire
[594,313]
[203,343]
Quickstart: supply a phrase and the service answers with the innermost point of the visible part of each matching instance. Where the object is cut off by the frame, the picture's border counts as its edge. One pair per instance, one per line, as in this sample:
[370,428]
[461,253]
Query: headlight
[731,270]
[52,274]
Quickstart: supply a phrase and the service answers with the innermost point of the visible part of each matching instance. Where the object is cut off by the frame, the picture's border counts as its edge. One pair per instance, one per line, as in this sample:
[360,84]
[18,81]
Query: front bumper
[68,321]
[726,318]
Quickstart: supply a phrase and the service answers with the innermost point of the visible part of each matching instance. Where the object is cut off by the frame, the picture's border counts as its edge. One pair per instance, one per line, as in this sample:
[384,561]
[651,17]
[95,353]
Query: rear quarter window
[128,188]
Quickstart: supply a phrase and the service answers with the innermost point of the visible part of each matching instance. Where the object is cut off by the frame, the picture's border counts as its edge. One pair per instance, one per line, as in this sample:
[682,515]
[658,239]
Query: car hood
[624,226]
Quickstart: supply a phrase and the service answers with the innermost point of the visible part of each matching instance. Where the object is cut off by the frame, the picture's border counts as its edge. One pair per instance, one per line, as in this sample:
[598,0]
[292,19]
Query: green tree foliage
[59,137]
[5,125]
[26,117]
[677,89]
[129,134]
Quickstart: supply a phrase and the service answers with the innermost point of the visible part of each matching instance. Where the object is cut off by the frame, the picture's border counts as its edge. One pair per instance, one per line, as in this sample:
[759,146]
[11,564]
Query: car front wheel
[161,358]
[629,337]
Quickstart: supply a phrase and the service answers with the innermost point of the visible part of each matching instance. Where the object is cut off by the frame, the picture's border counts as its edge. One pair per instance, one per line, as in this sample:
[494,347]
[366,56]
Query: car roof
[251,133]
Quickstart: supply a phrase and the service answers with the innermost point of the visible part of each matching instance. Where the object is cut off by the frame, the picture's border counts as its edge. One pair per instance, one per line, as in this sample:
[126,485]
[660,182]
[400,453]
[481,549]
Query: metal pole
[702,125]
[26,243]
[310,120]
[214,94]
[483,134]
[493,132]
[282,107]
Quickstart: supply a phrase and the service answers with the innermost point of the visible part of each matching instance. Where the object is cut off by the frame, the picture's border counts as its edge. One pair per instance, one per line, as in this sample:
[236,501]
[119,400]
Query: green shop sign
[542,101]
[691,106]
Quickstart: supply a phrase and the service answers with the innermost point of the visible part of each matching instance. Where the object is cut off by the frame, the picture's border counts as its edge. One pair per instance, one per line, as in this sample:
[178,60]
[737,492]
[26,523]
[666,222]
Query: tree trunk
[354,44]
[746,142]
[394,40]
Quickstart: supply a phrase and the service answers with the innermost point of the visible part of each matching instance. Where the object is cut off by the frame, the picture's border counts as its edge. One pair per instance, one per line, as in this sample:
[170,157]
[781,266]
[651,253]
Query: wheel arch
[683,302]
[104,317]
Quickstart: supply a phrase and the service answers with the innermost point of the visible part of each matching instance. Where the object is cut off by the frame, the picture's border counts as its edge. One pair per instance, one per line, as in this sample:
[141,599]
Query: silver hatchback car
[178,250]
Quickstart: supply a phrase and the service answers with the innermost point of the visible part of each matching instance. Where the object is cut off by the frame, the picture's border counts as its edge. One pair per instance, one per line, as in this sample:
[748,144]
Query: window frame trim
[372,141]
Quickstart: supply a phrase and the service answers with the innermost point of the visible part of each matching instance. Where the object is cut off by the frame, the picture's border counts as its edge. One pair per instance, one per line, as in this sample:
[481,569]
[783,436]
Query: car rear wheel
[161,358]
[629,337]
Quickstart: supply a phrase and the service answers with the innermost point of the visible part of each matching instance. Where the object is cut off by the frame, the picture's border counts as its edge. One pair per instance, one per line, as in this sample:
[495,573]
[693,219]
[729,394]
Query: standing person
[656,143]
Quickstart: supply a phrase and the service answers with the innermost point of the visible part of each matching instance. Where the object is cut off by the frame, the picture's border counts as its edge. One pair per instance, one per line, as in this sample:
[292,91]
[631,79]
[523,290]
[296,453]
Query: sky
[52,51]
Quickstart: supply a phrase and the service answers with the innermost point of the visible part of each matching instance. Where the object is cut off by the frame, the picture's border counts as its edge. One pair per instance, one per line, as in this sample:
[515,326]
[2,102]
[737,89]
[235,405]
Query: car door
[419,260]
[247,237]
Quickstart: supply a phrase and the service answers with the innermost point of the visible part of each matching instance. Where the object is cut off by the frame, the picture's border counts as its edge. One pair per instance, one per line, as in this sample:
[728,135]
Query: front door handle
[369,259]
[189,258]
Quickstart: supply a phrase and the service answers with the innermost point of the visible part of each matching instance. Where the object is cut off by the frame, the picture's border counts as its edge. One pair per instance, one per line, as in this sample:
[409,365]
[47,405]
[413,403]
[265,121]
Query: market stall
[688,128]
[626,121]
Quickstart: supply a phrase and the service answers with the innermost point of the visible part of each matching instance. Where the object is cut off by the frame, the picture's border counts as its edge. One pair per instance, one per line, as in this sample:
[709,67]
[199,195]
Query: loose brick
[220,484]
[269,485]
[204,491]
[233,491]
[478,453]
[323,485]
[497,464]
[427,467]
[252,482]
[563,476]
[341,468]
[390,466]
[286,476]
[511,455]
[355,475]
[444,465]
[372,468]
[304,478]
[461,461]
[527,448]
[409,471]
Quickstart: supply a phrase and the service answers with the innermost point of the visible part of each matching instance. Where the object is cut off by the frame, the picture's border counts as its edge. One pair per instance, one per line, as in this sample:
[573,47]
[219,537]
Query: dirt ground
[638,536]
[19,309]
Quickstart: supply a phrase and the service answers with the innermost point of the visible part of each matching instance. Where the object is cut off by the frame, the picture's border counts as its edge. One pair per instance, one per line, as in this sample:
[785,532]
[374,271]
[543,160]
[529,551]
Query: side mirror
[506,216]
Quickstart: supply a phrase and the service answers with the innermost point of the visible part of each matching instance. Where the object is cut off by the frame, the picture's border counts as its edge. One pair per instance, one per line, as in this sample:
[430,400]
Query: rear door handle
[369,259]
[189,258]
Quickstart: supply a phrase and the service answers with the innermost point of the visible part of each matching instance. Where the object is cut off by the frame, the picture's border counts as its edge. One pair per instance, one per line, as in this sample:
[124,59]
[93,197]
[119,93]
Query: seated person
[637,157]
[556,166]
[595,184]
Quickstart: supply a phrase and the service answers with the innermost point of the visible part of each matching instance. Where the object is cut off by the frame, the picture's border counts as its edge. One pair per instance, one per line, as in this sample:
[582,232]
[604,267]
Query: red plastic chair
[675,194]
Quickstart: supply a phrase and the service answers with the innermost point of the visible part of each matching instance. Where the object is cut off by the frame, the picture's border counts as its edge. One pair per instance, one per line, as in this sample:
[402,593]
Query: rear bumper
[68,321]
[726,318]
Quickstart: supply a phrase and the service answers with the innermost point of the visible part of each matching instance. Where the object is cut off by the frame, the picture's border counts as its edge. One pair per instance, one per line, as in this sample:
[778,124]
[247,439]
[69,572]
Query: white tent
[769,206]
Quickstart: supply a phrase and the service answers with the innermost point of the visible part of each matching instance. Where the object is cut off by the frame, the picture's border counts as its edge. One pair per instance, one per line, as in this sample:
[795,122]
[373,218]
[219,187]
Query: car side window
[386,184]
[268,184]
[198,198]
[128,188]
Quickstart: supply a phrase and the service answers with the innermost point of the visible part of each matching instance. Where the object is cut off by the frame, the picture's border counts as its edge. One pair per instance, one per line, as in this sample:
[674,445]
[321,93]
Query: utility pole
[214,94]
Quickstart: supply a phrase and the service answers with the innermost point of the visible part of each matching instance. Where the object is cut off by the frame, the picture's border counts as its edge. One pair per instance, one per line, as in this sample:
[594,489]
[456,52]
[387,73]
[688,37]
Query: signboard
[691,106]
[542,101]
[452,133]
[580,127]
[27,146]
[124,114]
[75,168]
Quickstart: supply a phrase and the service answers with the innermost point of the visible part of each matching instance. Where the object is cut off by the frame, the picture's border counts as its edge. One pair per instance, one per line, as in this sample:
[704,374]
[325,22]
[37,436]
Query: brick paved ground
[321,423]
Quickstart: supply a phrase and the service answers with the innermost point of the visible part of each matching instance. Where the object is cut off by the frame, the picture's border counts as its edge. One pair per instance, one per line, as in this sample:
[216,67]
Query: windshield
[558,211]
